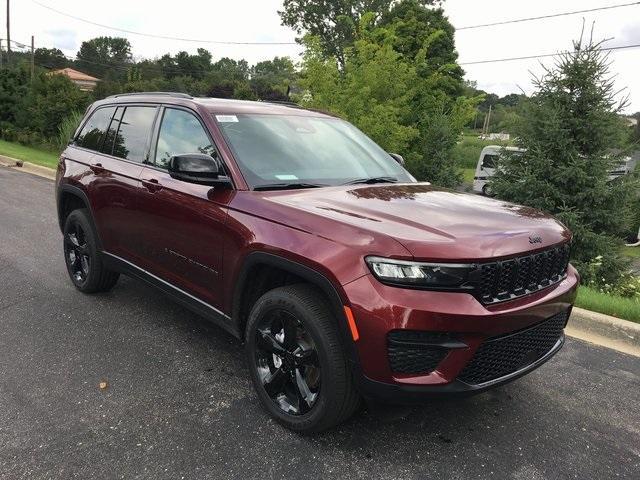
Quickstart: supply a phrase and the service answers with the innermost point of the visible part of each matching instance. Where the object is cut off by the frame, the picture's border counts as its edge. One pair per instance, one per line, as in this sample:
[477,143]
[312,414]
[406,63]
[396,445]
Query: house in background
[85,82]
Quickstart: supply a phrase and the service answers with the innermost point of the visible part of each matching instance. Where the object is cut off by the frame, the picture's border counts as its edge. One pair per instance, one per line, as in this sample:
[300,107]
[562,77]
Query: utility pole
[0,54]
[32,59]
[8,33]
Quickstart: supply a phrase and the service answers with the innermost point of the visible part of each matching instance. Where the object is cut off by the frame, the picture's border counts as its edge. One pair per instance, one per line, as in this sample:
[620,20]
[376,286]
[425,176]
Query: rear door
[185,222]
[117,168]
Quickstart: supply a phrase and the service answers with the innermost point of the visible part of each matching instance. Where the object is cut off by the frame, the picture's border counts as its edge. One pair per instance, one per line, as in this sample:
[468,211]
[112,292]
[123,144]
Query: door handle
[152,185]
[97,168]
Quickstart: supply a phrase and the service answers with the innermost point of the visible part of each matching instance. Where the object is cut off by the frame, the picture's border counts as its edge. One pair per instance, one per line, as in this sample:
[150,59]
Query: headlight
[421,275]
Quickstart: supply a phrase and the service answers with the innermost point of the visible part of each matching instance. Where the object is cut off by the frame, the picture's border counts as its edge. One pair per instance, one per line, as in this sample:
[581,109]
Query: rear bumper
[380,309]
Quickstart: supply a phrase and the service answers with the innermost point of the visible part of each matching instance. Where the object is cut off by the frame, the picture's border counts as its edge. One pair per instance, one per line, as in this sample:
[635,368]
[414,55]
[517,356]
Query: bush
[598,273]
[66,130]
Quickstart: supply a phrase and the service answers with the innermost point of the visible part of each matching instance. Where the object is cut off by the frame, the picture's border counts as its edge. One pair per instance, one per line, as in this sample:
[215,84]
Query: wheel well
[260,279]
[68,203]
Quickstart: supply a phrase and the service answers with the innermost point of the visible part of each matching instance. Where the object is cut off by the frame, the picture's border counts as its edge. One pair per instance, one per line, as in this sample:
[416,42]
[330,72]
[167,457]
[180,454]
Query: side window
[93,131]
[134,130]
[181,132]
[110,135]
[489,161]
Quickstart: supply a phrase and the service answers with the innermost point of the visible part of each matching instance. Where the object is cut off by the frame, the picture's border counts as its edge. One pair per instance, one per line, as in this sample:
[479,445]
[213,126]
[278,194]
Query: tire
[330,396]
[82,257]
[486,191]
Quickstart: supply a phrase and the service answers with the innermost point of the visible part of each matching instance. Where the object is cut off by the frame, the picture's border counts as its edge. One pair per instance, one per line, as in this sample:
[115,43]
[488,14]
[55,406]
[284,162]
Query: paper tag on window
[286,177]
[226,118]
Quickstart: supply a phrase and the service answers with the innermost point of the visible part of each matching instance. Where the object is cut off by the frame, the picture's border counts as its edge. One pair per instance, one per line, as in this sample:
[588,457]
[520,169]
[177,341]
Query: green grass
[625,308]
[468,150]
[29,154]
[633,252]
[468,174]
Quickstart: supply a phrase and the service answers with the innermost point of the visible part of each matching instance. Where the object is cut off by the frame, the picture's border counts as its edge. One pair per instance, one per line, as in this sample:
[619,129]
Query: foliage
[334,23]
[67,128]
[402,99]
[50,58]
[467,151]
[104,56]
[569,132]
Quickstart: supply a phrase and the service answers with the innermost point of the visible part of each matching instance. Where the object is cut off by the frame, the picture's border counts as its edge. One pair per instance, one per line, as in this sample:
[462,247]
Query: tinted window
[91,134]
[181,132]
[133,133]
[110,135]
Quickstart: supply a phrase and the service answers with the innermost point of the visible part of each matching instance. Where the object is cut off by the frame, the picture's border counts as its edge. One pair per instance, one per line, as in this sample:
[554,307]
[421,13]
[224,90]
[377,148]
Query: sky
[258,21]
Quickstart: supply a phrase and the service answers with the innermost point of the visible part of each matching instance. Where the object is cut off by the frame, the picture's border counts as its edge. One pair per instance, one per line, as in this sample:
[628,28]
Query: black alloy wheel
[287,362]
[76,253]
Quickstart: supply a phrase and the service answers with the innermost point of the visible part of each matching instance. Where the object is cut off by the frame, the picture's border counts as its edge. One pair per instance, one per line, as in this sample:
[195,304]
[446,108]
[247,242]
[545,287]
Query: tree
[50,58]
[271,79]
[104,57]
[570,129]
[333,22]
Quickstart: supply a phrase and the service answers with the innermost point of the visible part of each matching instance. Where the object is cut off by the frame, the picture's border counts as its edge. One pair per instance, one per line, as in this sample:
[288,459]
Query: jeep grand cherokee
[343,276]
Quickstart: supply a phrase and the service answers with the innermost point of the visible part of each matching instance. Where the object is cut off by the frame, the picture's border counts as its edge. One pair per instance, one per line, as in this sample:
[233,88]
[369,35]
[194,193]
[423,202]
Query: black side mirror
[397,157]
[198,168]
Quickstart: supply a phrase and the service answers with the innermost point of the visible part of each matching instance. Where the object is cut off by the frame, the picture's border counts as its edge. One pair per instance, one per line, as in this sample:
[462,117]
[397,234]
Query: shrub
[66,129]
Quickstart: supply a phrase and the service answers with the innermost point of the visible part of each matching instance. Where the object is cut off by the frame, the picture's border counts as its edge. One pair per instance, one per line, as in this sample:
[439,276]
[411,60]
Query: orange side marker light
[352,323]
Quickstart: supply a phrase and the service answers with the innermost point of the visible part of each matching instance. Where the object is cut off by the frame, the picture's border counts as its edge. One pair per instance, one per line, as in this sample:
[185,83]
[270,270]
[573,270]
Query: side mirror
[198,168]
[398,158]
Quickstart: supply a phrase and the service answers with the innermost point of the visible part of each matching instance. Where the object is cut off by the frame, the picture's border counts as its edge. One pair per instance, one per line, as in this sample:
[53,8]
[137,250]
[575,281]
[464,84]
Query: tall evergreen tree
[570,130]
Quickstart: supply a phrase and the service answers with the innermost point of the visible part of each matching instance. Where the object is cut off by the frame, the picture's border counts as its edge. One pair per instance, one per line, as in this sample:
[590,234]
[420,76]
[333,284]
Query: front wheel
[296,360]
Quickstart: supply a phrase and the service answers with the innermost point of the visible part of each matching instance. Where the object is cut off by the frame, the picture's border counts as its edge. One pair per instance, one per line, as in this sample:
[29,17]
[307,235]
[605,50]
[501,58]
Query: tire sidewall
[271,301]
[80,217]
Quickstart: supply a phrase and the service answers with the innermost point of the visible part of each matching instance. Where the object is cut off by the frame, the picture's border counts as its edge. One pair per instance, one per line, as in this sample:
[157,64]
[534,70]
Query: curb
[605,330]
[28,167]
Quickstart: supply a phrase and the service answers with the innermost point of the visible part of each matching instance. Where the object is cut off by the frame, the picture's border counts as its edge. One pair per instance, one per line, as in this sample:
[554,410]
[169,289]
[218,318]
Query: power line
[553,15]
[529,57]
[152,35]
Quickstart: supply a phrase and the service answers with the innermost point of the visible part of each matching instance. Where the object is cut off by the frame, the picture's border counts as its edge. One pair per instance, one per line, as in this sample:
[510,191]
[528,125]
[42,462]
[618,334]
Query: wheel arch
[69,198]
[248,289]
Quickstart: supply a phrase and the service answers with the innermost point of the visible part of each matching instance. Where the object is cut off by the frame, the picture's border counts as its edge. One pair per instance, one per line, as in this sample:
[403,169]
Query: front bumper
[380,309]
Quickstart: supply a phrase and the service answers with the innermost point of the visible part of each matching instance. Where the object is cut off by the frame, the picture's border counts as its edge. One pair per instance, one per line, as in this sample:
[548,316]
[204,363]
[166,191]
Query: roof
[75,75]
[217,105]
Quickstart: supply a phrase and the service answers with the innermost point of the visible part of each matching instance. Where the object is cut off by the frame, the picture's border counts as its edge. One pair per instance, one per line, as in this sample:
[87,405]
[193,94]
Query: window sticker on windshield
[286,177]
[226,118]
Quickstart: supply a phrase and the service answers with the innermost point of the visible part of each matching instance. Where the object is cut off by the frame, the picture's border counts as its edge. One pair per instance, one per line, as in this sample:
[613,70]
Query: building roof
[75,75]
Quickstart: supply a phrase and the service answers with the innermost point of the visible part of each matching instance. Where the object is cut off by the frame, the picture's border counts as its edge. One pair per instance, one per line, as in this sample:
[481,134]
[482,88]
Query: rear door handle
[97,168]
[152,185]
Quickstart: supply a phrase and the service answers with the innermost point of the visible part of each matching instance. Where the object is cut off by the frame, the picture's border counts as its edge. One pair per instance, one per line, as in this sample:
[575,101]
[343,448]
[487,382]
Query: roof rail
[287,103]
[166,94]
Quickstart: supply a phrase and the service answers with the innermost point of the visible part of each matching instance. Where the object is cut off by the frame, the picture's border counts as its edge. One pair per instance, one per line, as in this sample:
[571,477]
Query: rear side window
[181,132]
[132,140]
[94,130]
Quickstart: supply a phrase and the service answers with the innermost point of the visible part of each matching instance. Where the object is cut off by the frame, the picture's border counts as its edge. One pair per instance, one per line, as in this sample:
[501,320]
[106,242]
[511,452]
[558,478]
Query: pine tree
[571,130]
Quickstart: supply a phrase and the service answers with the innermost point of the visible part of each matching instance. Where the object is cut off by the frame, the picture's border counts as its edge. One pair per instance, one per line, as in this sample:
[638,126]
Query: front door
[184,223]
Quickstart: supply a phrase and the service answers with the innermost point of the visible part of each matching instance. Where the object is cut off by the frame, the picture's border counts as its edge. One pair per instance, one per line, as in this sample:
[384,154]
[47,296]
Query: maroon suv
[291,229]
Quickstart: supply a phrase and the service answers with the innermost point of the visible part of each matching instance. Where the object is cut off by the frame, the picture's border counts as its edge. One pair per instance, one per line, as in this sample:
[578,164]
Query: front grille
[412,351]
[512,278]
[500,356]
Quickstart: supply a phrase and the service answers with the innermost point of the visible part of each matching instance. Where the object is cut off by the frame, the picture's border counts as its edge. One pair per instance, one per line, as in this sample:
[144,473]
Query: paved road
[179,404]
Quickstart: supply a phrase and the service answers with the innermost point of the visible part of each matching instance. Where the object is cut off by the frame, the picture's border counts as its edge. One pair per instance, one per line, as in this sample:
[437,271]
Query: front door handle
[152,185]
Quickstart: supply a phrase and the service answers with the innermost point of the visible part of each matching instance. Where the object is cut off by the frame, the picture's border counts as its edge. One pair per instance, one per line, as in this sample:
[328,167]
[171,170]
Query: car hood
[431,223]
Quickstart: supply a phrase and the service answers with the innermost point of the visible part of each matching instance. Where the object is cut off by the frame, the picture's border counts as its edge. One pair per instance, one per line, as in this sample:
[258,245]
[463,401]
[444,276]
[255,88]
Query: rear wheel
[296,360]
[86,269]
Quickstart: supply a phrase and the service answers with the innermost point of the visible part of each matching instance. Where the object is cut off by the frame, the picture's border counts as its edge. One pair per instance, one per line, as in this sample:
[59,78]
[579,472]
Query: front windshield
[291,149]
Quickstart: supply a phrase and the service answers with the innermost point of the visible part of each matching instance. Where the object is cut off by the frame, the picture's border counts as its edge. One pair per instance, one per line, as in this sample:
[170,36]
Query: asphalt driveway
[178,402]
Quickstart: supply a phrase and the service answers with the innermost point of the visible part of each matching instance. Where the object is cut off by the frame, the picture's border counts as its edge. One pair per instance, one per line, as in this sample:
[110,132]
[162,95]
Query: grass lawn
[625,308]
[29,154]
[633,252]
[468,174]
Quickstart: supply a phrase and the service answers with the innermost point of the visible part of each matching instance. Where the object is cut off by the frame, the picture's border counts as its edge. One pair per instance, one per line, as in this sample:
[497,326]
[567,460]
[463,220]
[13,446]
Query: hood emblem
[535,239]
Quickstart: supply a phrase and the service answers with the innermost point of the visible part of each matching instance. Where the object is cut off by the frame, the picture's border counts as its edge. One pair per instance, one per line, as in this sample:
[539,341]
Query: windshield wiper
[371,180]
[287,186]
